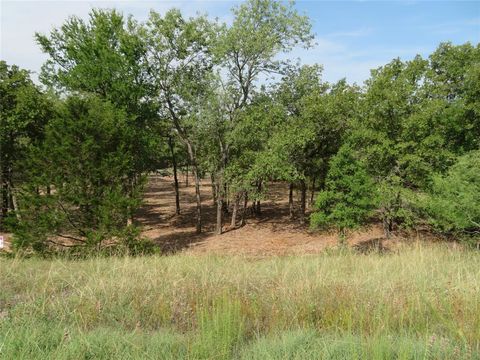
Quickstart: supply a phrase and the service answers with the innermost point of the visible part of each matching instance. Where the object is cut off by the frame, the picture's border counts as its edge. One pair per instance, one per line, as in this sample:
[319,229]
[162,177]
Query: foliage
[84,160]
[261,30]
[417,117]
[349,198]
[226,100]
[105,56]
[102,55]
[453,205]
[24,111]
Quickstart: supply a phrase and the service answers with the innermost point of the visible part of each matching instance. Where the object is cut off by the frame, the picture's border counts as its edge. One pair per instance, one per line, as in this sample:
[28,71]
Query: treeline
[121,99]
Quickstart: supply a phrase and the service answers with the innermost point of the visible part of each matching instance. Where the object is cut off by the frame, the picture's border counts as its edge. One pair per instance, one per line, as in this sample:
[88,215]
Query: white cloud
[21,19]
[338,51]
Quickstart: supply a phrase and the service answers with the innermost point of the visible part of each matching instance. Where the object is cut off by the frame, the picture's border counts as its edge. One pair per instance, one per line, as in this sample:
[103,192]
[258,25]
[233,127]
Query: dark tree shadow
[174,233]
[172,243]
[375,245]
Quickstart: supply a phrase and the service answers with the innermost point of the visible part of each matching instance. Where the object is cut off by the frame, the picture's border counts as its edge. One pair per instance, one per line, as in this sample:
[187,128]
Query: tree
[332,113]
[296,135]
[24,111]
[86,156]
[453,204]
[318,115]
[250,163]
[418,116]
[179,67]
[261,30]
[105,56]
[349,198]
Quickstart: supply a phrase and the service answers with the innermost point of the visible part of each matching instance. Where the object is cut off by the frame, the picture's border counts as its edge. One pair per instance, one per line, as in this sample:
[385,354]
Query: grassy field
[420,303]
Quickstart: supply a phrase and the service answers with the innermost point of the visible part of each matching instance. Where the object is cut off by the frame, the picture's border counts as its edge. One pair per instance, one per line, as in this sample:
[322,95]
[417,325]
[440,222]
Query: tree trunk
[5,205]
[15,205]
[13,198]
[196,176]
[233,224]
[193,162]
[245,205]
[226,200]
[222,189]
[11,205]
[214,191]
[312,192]
[290,200]
[199,200]
[258,208]
[177,191]
[186,177]
[303,189]
[218,228]
[5,194]
[256,204]
[130,192]
[175,178]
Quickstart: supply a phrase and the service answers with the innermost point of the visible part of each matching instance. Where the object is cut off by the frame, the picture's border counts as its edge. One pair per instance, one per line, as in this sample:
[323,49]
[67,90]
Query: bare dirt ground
[271,233]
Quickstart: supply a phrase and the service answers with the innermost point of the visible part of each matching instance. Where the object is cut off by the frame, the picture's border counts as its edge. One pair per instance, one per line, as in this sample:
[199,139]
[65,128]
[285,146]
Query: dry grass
[220,305]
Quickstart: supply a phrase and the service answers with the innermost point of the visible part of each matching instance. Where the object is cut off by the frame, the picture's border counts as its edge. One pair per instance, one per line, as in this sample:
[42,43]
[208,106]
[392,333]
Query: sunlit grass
[417,303]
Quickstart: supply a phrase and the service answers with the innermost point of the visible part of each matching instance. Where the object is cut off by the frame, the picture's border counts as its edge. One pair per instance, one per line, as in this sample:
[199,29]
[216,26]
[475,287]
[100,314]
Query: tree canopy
[122,98]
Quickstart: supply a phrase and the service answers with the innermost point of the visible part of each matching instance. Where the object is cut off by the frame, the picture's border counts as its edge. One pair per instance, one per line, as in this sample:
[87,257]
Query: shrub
[350,195]
[453,205]
[81,189]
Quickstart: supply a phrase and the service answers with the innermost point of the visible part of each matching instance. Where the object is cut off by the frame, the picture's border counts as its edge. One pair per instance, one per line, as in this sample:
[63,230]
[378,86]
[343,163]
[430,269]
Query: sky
[352,37]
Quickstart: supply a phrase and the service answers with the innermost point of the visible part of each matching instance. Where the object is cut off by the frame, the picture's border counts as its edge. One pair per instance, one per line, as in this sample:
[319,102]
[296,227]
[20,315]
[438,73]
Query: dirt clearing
[271,233]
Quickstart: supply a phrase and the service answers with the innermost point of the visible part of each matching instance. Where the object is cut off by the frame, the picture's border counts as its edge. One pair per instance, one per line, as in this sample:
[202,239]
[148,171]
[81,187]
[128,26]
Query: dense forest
[121,99]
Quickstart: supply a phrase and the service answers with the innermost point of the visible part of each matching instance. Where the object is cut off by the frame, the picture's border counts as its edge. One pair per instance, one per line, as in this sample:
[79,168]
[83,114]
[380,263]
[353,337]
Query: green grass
[420,303]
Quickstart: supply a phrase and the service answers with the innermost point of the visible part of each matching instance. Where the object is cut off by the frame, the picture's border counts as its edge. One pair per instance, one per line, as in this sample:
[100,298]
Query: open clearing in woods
[271,233]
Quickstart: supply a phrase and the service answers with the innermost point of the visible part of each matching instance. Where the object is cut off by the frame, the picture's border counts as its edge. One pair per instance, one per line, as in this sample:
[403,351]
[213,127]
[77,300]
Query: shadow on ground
[272,232]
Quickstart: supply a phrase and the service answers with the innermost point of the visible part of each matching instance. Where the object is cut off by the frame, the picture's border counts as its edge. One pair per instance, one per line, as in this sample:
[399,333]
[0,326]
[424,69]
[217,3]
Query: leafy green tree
[349,198]
[249,48]
[316,117]
[261,30]
[85,157]
[453,204]
[390,100]
[24,111]
[452,80]
[179,64]
[105,56]
[418,116]
[331,113]
[294,139]
[250,163]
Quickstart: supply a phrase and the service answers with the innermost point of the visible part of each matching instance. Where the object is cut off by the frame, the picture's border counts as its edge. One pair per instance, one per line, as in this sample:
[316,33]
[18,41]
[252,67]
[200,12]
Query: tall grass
[422,302]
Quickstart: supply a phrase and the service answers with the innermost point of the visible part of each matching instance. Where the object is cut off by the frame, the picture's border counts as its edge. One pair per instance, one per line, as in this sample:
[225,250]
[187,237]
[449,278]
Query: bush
[350,195]
[81,189]
[453,205]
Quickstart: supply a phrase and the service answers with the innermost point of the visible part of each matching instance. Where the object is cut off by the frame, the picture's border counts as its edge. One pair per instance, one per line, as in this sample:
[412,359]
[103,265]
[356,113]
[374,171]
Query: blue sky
[352,36]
